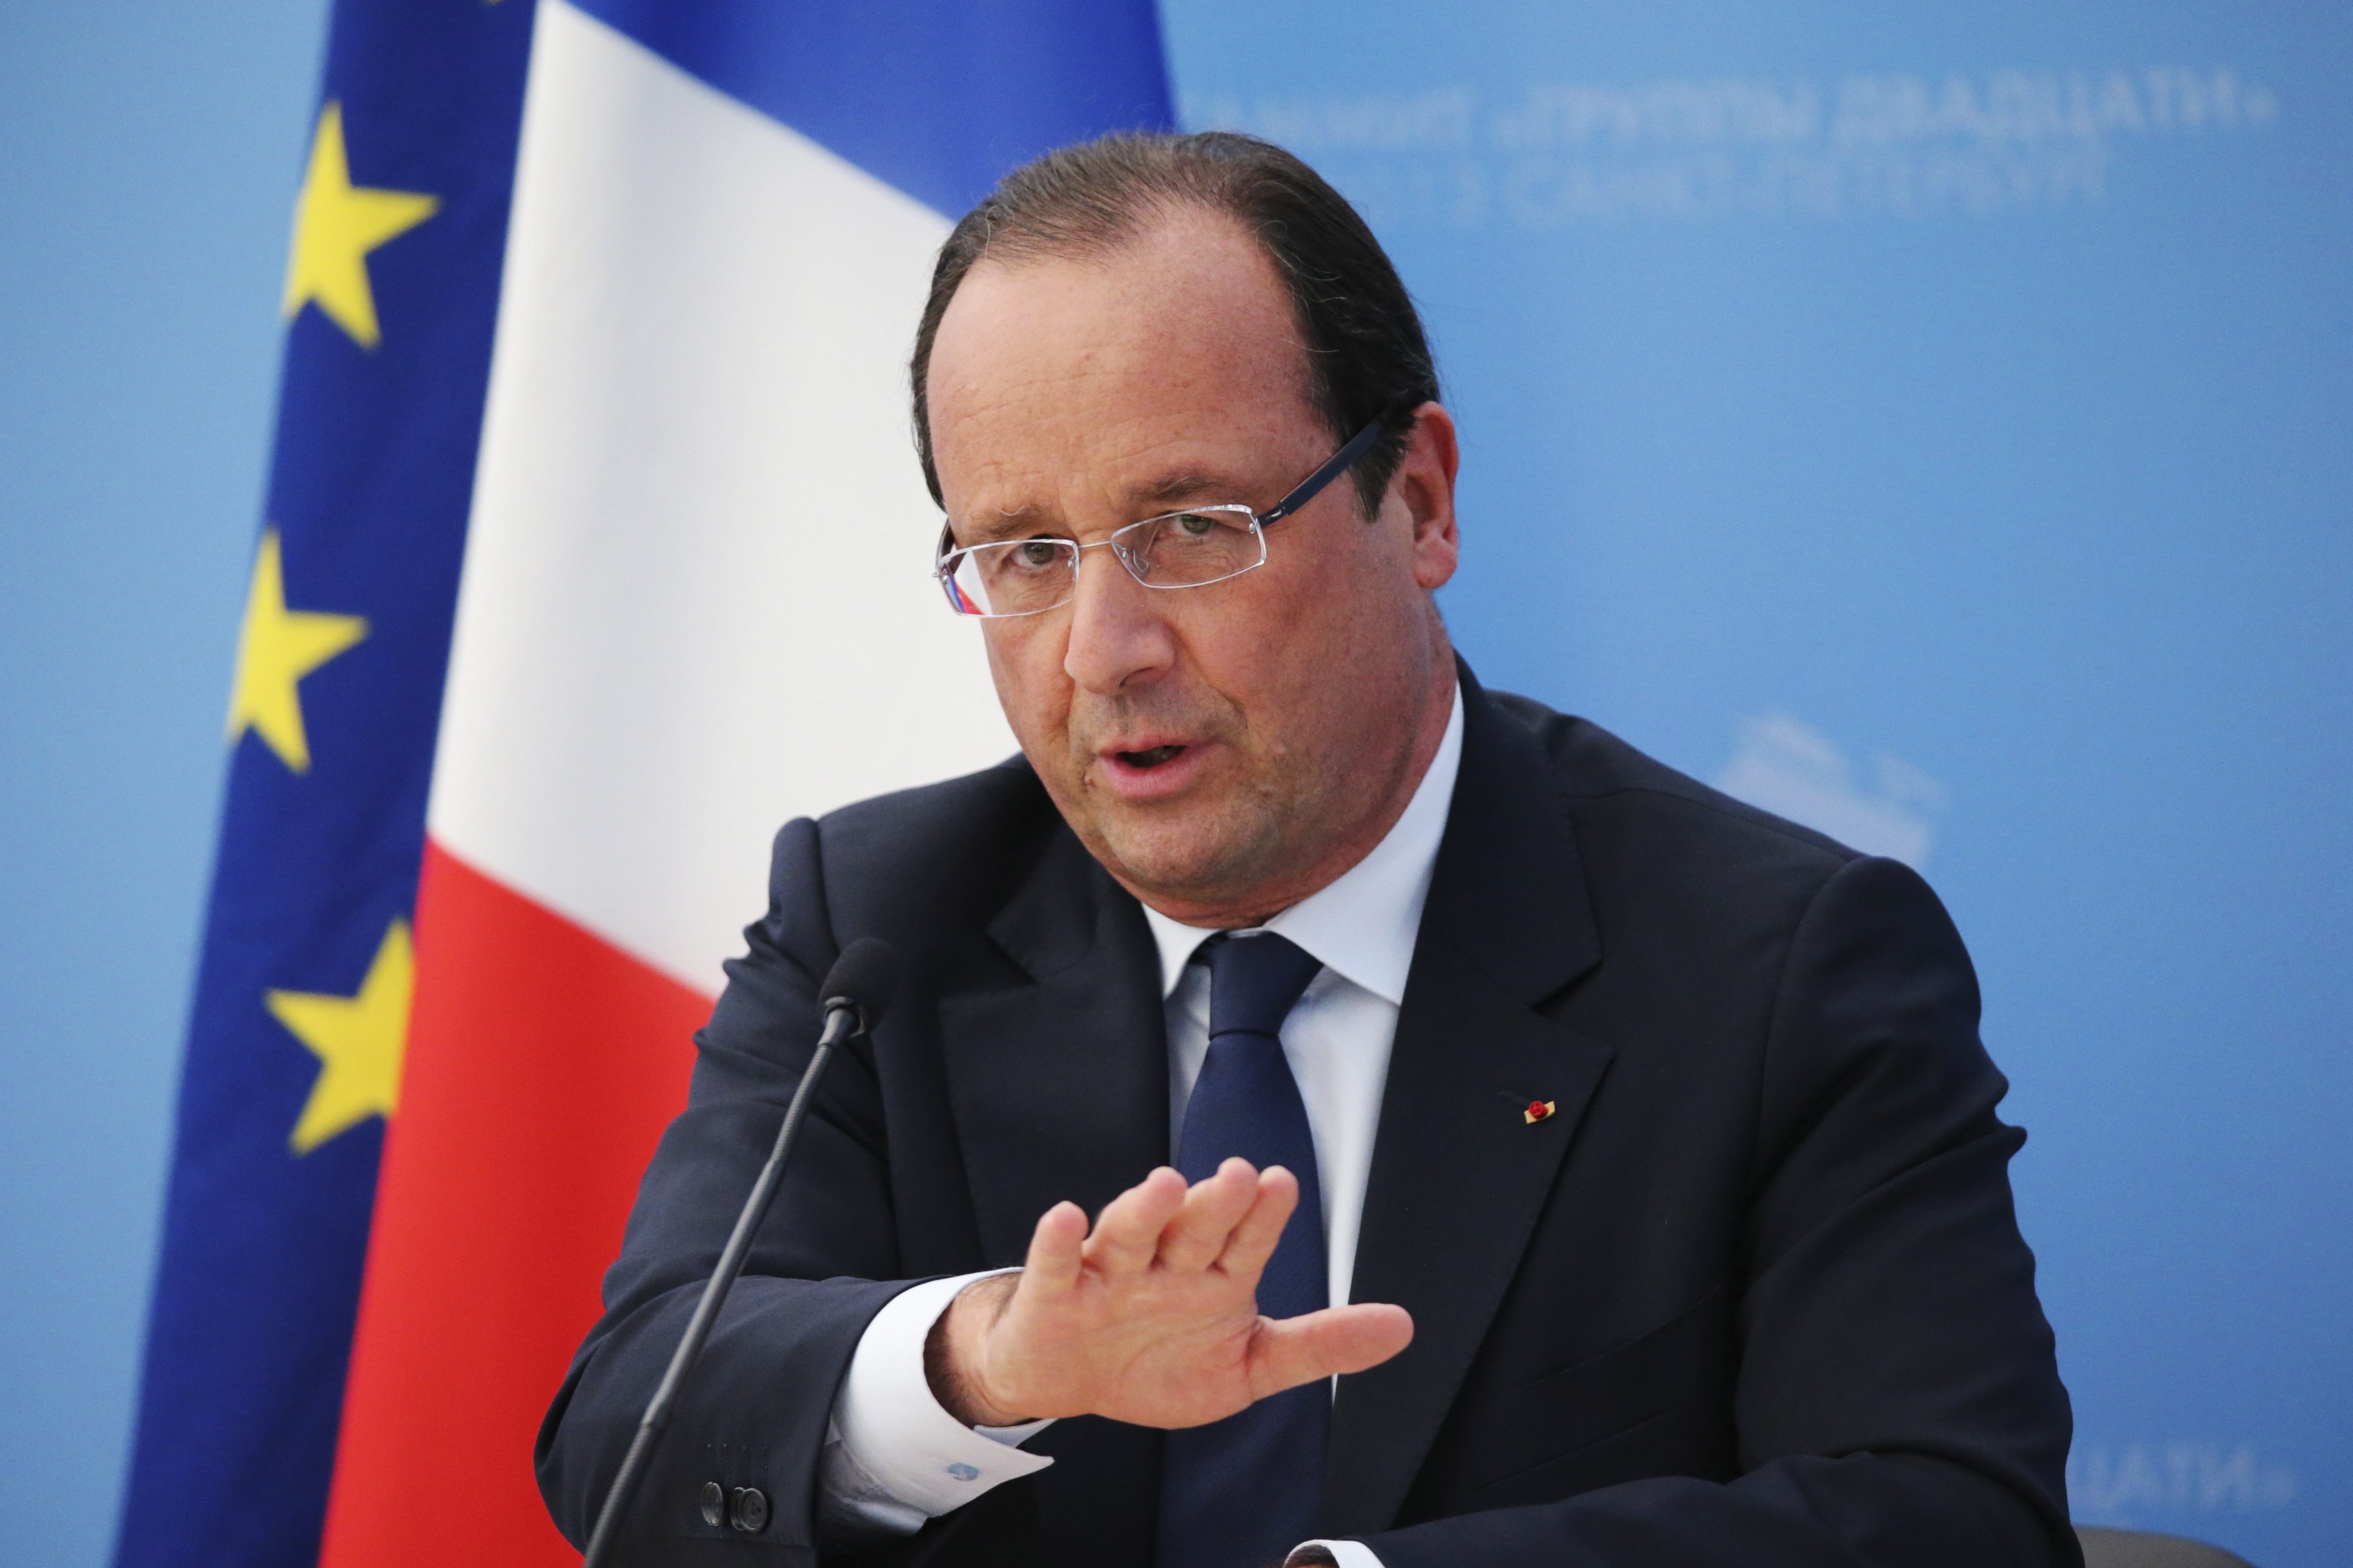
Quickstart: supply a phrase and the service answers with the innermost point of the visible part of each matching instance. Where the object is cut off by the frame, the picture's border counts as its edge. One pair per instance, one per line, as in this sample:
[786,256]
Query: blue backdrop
[1931,425]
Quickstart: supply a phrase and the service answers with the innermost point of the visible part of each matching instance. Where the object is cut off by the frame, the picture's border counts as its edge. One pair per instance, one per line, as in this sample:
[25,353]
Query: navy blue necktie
[1242,1492]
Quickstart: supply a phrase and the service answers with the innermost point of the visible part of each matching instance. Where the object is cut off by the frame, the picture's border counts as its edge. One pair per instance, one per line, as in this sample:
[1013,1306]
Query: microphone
[856,992]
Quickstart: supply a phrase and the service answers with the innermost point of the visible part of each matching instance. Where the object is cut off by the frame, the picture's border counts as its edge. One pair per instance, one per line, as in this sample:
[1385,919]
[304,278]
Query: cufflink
[1537,1111]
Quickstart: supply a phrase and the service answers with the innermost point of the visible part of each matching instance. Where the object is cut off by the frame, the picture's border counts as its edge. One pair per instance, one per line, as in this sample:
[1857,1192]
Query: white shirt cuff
[897,1457]
[1346,1554]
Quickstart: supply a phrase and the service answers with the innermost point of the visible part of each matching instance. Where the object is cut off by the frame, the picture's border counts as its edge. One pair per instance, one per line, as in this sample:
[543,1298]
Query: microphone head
[862,979]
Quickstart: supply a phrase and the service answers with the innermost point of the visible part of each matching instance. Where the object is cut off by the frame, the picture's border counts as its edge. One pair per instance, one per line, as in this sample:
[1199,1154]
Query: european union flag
[293,1053]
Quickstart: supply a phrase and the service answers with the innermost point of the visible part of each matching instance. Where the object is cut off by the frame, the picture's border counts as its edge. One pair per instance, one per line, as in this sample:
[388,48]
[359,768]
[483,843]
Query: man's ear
[1424,482]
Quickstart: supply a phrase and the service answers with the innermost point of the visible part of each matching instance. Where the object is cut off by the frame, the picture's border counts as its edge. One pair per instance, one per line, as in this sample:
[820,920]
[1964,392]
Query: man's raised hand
[1152,1319]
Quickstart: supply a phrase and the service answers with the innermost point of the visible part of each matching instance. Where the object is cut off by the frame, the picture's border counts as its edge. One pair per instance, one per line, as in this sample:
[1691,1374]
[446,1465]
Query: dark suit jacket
[1754,1295]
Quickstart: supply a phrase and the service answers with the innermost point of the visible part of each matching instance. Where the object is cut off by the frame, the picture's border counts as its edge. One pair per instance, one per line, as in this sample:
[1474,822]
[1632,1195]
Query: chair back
[2140,1548]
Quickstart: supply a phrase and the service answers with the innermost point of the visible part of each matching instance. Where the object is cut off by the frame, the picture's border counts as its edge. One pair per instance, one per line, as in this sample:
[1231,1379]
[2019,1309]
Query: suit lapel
[1458,1173]
[1059,1083]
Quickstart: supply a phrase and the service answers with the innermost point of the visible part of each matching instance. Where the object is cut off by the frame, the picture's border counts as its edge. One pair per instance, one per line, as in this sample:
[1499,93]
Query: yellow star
[357,1040]
[336,224]
[278,647]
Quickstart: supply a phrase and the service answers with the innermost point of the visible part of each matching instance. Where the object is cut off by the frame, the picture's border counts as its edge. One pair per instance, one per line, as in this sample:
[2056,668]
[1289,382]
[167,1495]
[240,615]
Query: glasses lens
[1017,577]
[1184,549]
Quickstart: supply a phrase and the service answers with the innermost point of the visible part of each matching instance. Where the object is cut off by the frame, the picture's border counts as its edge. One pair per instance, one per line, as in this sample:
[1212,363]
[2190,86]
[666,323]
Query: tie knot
[1254,981]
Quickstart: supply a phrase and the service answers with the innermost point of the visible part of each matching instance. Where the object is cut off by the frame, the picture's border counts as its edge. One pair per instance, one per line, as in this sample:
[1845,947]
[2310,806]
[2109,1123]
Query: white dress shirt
[894,1457]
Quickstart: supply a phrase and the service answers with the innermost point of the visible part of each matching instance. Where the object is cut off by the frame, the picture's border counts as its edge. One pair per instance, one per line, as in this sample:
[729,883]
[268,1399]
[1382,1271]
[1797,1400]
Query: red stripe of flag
[543,1063]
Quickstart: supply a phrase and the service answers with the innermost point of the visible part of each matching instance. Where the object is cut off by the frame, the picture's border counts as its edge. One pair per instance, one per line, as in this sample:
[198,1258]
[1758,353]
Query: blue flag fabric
[936,97]
[338,694]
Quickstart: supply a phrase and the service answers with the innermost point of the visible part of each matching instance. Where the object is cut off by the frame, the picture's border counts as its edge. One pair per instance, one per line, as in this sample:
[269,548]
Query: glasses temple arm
[1339,463]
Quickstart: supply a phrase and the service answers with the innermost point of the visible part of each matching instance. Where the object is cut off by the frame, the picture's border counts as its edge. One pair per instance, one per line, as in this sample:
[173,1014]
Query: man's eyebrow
[1018,523]
[1185,484]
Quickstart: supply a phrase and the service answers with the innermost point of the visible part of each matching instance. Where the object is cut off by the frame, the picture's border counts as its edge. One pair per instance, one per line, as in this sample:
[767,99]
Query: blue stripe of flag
[936,98]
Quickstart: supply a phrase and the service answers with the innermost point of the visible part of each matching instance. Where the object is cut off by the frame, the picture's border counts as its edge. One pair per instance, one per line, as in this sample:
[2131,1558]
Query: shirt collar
[1363,925]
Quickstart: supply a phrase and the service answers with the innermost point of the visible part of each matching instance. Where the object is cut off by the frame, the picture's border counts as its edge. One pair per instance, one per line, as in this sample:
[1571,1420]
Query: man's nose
[1118,636]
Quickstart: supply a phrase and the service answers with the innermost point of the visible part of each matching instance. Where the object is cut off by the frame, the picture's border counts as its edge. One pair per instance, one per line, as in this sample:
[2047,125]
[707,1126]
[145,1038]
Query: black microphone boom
[857,990]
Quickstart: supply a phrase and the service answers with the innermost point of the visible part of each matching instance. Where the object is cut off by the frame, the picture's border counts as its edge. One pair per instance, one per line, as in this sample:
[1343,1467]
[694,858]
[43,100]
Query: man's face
[1223,750]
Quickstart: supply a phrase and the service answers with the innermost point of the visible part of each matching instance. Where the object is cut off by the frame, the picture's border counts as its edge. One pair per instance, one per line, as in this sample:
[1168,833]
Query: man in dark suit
[1500,1149]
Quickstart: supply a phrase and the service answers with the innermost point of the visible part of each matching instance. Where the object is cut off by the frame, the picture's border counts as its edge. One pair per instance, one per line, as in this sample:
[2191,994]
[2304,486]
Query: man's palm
[1152,1318]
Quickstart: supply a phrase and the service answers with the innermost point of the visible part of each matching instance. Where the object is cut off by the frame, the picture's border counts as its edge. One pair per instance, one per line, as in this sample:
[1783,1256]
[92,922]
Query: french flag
[595,549]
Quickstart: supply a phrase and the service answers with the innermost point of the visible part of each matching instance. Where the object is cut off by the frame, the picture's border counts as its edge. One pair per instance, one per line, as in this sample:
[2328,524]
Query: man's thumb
[1292,1350]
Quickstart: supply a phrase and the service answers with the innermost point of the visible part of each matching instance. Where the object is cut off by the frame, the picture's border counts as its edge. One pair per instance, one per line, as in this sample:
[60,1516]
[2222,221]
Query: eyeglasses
[1188,549]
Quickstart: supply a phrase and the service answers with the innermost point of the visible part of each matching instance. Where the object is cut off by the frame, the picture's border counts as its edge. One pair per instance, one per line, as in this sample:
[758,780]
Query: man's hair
[1368,356]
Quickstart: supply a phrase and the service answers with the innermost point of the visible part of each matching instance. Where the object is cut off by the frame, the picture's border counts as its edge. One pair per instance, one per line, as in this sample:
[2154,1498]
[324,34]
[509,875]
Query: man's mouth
[1160,770]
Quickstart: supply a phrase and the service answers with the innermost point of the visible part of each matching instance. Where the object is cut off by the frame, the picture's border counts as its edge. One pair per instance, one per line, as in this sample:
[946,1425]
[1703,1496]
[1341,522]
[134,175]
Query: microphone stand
[841,1021]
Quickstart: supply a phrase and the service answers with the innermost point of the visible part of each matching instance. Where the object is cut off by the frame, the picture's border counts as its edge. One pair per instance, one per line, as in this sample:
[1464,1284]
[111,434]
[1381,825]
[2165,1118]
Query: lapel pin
[1537,1111]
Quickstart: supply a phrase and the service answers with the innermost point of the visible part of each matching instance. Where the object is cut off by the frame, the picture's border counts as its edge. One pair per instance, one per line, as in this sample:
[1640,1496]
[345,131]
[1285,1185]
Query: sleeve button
[751,1510]
[714,1504]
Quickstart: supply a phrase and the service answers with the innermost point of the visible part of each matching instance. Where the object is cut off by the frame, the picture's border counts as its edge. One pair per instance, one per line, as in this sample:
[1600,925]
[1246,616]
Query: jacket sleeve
[1897,1402]
[824,1262]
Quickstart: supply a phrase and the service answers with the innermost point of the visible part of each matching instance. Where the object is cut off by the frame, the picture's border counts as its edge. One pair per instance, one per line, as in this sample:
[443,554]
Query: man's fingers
[1252,1240]
[1127,1232]
[1289,1351]
[1195,1237]
[1055,1248]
